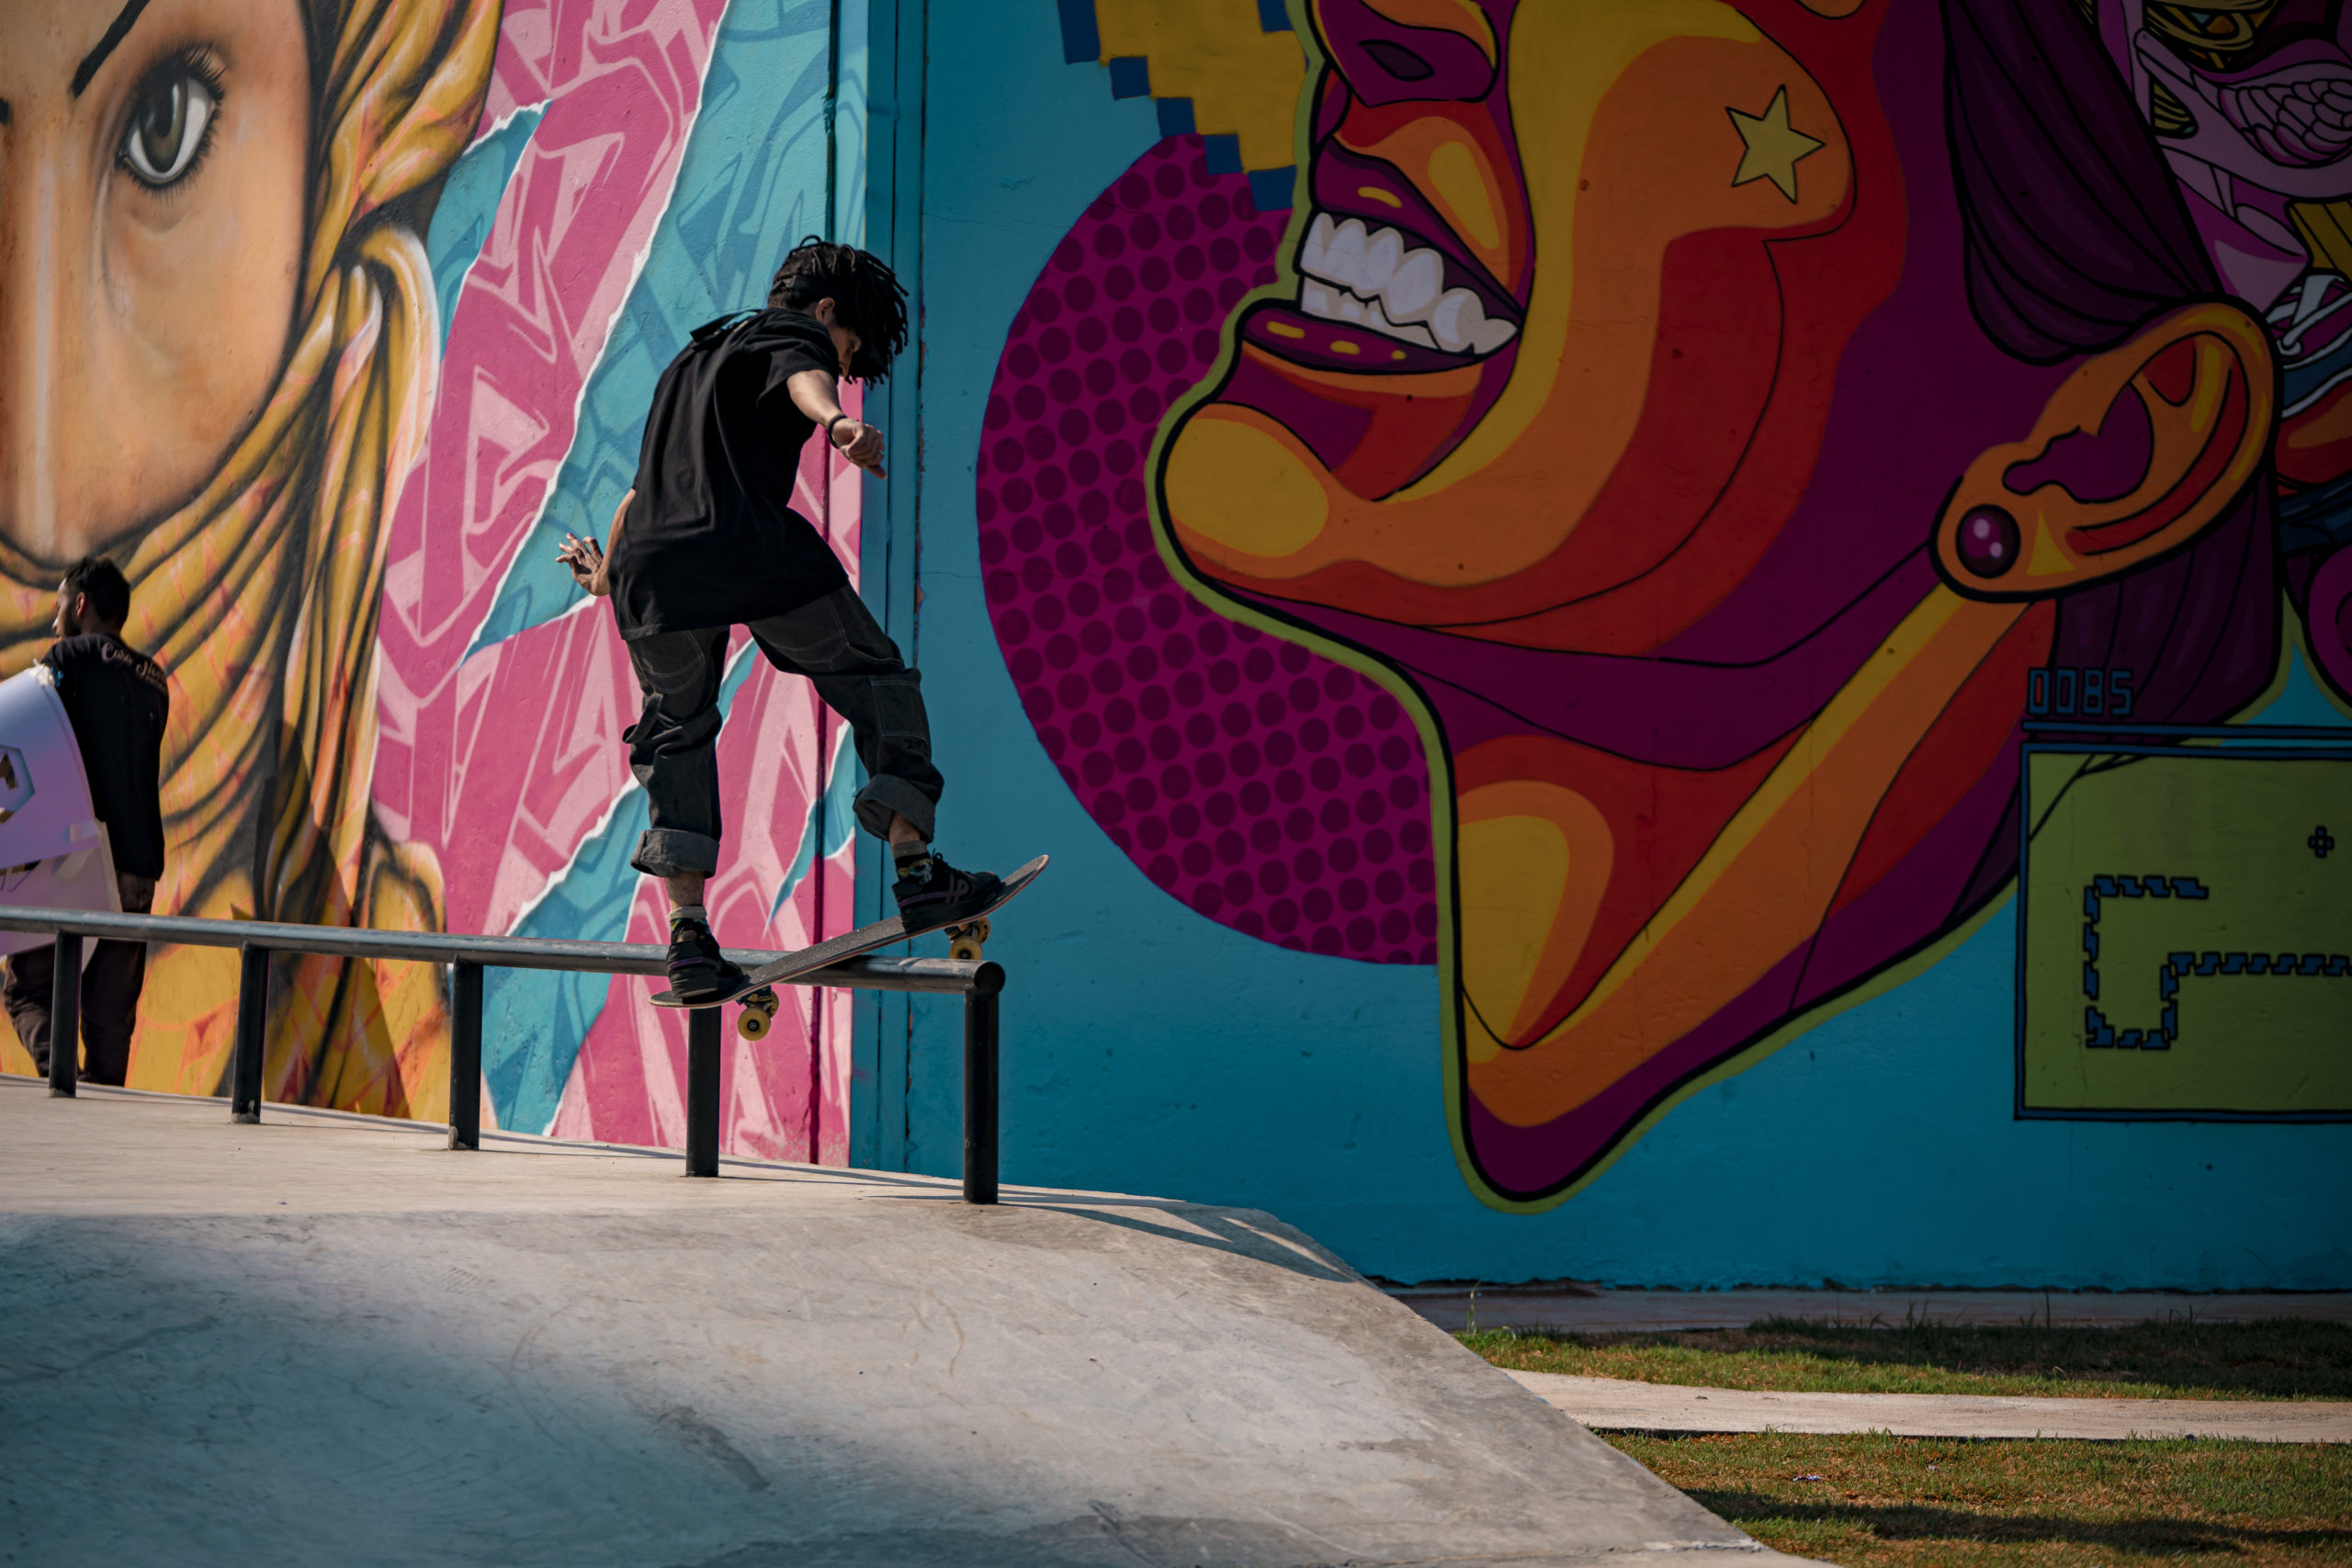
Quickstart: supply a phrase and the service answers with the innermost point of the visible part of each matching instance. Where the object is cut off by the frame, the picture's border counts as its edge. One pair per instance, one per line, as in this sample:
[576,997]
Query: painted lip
[1384,288]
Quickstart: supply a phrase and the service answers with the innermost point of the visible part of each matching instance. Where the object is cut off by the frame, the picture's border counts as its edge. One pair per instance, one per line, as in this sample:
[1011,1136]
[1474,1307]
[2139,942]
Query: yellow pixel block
[1243,80]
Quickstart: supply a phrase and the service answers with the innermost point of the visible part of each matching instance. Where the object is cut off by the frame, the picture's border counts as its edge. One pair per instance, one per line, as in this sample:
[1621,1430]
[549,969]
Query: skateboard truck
[758,1014]
[964,941]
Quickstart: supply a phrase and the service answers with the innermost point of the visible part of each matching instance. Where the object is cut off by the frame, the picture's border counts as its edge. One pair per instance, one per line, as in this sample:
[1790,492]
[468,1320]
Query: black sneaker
[944,896]
[698,971]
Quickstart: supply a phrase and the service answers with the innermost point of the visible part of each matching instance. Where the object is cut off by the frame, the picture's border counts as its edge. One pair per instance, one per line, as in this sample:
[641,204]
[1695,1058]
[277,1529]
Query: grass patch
[1882,1502]
[2279,1358]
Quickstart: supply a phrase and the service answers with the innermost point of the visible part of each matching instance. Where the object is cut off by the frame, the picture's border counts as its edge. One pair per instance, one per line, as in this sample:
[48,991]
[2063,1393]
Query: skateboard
[757,993]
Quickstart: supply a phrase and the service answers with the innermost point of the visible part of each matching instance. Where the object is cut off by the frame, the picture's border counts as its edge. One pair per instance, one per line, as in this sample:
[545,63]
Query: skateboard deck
[965,937]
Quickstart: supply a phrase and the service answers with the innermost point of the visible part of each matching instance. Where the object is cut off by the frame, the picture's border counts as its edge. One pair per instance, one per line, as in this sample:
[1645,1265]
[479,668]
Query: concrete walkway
[1590,1309]
[328,1339]
[1619,1405]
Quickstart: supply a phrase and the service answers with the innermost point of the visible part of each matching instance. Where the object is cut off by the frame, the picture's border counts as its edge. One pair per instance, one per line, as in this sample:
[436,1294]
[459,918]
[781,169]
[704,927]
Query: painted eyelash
[200,62]
[196,62]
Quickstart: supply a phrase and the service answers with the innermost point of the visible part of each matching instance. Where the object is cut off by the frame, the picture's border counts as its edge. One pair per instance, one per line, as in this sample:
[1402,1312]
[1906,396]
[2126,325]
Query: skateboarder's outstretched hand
[865,448]
[586,557]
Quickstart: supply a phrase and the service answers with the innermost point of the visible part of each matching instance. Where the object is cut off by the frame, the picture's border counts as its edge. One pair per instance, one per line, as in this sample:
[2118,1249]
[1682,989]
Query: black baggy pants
[111,981]
[836,643]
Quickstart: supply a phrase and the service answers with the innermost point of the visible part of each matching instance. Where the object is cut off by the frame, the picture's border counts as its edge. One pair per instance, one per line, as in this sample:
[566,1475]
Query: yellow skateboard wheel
[964,940]
[759,1013]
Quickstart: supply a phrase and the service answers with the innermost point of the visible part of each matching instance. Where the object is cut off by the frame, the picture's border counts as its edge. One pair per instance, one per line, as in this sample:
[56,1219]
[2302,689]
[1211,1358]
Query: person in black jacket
[118,701]
[708,540]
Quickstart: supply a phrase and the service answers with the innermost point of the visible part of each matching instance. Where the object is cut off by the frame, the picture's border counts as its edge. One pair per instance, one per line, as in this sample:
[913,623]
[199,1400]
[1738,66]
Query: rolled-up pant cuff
[885,796]
[673,851]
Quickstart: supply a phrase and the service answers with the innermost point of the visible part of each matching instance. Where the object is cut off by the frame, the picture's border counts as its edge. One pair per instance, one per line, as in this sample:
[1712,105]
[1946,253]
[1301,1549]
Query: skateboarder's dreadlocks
[866,294]
[708,540]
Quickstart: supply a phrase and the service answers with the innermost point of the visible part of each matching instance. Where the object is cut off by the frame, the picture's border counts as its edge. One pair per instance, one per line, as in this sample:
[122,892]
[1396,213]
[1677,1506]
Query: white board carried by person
[54,850]
[82,815]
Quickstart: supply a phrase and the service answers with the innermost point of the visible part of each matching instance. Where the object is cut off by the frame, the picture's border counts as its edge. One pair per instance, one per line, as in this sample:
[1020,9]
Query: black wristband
[828,427]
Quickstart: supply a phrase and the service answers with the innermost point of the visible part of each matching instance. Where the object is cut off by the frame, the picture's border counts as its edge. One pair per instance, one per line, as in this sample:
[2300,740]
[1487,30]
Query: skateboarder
[708,540]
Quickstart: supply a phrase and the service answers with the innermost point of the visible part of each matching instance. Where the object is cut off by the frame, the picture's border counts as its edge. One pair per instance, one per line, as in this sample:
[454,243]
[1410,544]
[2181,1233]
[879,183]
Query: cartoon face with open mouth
[1501,199]
[1626,407]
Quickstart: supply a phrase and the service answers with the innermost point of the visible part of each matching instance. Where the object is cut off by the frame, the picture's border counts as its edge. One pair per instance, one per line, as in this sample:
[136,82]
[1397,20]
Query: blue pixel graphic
[2099,1033]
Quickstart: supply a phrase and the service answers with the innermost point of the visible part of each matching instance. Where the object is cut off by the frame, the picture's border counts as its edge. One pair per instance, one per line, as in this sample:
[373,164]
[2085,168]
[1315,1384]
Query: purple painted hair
[2077,234]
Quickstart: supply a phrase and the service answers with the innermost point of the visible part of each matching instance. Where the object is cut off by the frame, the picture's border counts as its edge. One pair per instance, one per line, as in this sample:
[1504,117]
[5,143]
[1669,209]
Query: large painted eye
[170,120]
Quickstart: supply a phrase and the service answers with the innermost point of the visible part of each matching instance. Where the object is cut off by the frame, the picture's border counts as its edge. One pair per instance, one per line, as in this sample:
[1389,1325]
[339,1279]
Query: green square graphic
[2186,944]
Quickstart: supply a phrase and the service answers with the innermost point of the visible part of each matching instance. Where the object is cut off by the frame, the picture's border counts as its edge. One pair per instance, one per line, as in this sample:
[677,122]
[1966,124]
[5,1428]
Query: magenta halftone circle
[1269,788]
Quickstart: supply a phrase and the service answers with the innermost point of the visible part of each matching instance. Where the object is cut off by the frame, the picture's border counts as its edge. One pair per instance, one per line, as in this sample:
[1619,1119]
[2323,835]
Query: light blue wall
[1149,1050]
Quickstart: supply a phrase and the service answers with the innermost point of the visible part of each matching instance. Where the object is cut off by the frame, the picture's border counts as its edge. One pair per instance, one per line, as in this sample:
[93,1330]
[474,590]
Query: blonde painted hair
[261,594]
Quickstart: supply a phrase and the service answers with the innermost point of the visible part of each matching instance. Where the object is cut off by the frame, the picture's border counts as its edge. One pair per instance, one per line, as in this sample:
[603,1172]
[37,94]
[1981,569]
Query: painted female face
[152,163]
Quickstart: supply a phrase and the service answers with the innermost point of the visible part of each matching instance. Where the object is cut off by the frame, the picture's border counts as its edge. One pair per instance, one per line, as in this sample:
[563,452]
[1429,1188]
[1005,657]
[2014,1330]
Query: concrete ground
[327,1339]
[1570,1307]
[1620,1404]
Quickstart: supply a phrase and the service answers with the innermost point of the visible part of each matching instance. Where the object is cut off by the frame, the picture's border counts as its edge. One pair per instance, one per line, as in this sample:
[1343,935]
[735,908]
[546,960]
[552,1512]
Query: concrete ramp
[327,1339]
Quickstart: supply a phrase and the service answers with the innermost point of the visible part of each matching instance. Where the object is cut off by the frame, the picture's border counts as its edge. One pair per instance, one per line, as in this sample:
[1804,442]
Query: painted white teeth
[1415,287]
[1445,320]
[1456,318]
[1375,318]
[1381,257]
[1396,291]
[1409,331]
[1314,256]
[1460,325]
[1345,258]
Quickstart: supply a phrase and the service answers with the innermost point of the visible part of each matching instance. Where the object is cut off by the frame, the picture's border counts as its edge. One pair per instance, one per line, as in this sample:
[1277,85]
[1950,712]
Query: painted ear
[2139,451]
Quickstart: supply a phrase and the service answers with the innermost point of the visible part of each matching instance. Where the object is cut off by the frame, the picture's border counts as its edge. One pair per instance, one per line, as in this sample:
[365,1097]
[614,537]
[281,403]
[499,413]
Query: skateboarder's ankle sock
[693,912]
[914,861]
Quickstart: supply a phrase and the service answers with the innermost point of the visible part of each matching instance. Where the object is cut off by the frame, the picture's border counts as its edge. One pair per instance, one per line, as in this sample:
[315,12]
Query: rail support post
[253,1023]
[65,1016]
[702,1093]
[465,1055]
[980,1096]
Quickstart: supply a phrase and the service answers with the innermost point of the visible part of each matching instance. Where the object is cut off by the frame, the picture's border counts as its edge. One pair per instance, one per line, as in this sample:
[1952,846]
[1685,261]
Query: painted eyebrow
[123,23]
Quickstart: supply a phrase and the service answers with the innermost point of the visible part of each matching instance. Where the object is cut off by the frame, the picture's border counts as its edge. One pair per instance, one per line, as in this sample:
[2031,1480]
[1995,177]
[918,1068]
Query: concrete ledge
[1619,1405]
[328,1338]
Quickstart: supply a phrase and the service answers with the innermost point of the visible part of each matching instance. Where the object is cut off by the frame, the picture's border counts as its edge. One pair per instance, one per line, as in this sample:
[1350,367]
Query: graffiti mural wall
[327,318]
[1589,497]
[1512,551]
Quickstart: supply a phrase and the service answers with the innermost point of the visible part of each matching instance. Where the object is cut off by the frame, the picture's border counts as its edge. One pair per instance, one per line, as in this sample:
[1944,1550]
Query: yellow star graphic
[1774,147]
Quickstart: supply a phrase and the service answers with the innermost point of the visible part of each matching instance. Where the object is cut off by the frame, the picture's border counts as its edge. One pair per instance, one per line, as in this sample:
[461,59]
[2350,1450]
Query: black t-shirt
[118,703]
[711,538]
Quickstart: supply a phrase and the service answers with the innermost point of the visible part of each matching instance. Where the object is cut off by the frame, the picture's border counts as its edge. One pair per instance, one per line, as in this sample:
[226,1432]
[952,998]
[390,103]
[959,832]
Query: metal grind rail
[977,982]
